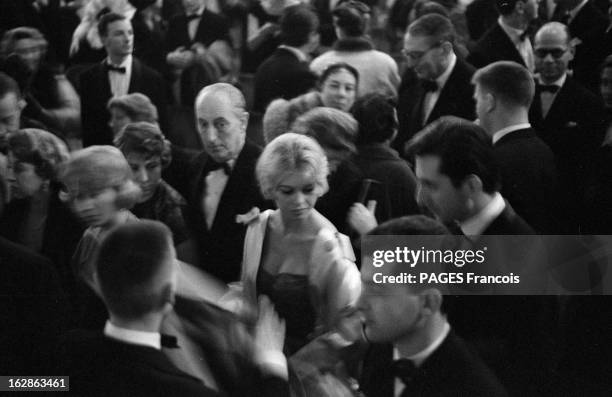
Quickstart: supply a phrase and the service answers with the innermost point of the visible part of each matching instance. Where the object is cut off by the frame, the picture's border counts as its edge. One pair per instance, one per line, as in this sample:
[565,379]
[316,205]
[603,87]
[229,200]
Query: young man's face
[119,40]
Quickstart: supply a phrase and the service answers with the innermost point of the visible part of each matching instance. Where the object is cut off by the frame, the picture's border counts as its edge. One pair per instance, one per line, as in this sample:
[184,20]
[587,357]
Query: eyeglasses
[417,55]
[556,53]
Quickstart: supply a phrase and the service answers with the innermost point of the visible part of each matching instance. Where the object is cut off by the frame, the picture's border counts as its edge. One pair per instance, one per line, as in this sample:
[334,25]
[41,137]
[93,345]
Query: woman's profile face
[296,194]
[147,173]
[339,90]
[24,180]
[30,52]
[119,119]
[96,208]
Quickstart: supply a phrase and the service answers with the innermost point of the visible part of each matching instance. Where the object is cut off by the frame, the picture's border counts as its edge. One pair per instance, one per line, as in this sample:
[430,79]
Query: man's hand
[362,219]
[269,340]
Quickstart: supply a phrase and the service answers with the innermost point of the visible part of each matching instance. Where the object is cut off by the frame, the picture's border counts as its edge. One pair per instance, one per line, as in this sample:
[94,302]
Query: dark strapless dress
[291,298]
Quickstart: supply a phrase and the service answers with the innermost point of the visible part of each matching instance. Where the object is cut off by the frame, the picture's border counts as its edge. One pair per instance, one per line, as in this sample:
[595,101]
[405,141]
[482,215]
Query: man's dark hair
[8,85]
[297,24]
[129,261]
[464,149]
[508,81]
[437,27]
[505,7]
[106,20]
[375,114]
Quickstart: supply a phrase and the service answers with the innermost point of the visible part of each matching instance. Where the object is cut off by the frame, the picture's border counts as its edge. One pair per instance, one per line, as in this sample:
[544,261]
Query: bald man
[222,181]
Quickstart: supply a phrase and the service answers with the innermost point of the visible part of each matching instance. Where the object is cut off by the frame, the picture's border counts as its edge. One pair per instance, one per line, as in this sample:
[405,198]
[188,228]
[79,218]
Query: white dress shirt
[547,98]
[474,226]
[430,99]
[120,82]
[523,46]
[215,185]
[133,337]
[505,131]
[419,358]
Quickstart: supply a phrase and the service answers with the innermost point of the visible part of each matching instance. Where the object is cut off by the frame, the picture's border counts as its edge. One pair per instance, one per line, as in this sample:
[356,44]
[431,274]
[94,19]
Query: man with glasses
[569,117]
[437,83]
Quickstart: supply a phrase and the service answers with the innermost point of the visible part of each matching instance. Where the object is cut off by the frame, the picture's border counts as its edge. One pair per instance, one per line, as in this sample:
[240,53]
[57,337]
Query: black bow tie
[430,85]
[192,17]
[404,369]
[553,89]
[169,341]
[113,68]
[213,166]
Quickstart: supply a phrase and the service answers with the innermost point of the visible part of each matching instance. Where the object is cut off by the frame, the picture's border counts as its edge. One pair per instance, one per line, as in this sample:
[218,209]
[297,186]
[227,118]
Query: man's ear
[431,301]
[244,120]
[472,184]
[168,297]
[490,102]
[21,104]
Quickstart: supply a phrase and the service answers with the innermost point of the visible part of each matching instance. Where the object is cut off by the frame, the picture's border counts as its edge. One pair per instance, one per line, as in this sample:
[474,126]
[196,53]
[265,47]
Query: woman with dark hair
[130,108]
[337,88]
[390,175]
[148,153]
[51,98]
[377,70]
[35,217]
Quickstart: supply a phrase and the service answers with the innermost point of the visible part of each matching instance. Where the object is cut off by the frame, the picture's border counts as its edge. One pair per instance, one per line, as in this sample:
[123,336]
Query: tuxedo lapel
[416,116]
[135,78]
[558,108]
[105,89]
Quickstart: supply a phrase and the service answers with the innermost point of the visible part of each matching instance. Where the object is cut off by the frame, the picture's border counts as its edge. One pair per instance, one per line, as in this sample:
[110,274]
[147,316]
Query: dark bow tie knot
[213,166]
[430,85]
[169,341]
[549,88]
[404,369]
[113,68]
[192,17]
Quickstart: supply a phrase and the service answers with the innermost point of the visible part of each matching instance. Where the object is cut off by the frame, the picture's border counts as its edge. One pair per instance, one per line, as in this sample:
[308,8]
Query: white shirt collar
[513,33]
[559,83]
[295,51]
[505,131]
[576,10]
[474,226]
[133,337]
[443,78]
[419,358]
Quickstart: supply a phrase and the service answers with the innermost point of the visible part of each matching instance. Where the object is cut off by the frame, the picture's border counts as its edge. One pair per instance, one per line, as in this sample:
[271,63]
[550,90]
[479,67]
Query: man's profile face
[390,312]
[222,127]
[119,40]
[424,55]
[10,115]
[437,192]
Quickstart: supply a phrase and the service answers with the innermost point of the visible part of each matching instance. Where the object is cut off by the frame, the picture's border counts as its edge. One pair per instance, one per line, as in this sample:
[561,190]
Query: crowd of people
[185,184]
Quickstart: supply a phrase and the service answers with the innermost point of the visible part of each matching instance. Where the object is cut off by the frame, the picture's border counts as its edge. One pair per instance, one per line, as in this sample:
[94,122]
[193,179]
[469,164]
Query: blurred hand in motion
[361,218]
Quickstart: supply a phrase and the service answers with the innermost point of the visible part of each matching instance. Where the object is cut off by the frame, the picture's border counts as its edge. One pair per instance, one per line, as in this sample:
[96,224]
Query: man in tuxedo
[587,26]
[413,350]
[504,92]
[286,74]
[199,49]
[222,181]
[119,74]
[437,83]
[507,39]
[138,288]
[569,117]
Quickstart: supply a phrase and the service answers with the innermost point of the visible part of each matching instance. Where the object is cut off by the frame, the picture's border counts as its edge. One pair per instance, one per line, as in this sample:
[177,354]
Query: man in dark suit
[138,288]
[504,92]
[480,15]
[286,73]
[413,350]
[119,74]
[587,26]
[507,39]
[199,49]
[569,117]
[222,181]
[437,83]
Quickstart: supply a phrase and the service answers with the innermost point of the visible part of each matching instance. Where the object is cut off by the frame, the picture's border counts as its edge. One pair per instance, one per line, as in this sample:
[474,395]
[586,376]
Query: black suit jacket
[96,92]
[101,366]
[480,15]
[456,99]
[529,176]
[452,370]
[212,27]
[493,46]
[573,129]
[220,248]
[282,75]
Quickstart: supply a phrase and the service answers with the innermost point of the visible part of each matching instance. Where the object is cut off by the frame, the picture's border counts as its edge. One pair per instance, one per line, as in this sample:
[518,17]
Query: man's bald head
[555,30]
[225,91]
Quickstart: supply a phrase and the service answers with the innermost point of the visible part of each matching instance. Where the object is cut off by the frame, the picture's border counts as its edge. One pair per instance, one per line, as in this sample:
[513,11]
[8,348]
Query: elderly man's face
[222,127]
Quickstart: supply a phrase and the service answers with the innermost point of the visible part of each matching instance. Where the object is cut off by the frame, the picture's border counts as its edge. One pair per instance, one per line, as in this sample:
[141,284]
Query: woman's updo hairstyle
[145,139]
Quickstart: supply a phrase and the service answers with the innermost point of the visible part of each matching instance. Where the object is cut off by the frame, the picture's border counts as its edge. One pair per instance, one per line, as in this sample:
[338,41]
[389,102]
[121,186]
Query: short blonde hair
[289,153]
[96,168]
